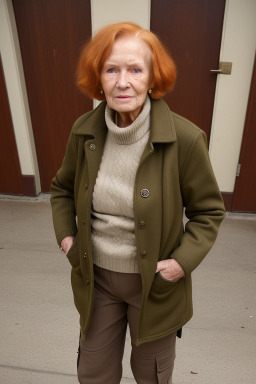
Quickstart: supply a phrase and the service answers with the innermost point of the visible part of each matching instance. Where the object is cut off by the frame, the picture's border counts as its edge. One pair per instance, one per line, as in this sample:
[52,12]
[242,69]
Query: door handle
[216,70]
[224,68]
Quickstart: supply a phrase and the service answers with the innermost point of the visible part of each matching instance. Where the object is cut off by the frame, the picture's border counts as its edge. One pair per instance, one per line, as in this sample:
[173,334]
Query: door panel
[192,31]
[10,180]
[51,35]
[244,199]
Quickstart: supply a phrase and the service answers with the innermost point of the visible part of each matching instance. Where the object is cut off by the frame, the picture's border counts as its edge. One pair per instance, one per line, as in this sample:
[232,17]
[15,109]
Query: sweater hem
[119,265]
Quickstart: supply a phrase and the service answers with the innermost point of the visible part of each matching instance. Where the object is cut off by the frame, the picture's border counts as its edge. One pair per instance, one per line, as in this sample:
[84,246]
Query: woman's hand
[170,269]
[67,243]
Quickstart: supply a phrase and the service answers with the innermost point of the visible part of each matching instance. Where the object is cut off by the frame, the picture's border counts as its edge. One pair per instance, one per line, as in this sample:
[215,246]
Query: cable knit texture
[113,228]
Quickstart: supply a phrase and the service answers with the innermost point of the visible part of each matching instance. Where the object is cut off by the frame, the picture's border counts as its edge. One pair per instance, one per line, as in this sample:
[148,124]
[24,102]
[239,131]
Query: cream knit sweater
[113,235]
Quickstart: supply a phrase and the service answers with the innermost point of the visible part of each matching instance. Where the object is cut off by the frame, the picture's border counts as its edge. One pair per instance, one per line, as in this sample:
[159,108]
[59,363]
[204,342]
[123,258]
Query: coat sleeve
[203,205]
[62,194]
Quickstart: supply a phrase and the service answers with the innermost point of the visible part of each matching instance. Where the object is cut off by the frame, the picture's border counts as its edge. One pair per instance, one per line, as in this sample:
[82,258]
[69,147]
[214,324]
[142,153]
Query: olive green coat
[176,170]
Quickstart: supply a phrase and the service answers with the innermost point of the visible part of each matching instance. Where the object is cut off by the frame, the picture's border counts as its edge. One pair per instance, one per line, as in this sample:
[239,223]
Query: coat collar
[162,128]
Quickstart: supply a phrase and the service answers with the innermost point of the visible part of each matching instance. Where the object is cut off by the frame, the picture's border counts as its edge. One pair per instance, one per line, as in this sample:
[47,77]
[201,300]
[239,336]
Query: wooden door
[192,31]
[51,35]
[244,199]
[10,172]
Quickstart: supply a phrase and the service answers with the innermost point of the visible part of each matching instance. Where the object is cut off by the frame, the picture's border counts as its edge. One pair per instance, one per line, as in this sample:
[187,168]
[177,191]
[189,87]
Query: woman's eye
[111,70]
[136,70]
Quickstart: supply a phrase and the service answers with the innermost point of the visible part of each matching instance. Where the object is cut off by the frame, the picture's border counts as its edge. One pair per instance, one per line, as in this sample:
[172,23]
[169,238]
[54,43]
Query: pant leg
[153,362]
[101,352]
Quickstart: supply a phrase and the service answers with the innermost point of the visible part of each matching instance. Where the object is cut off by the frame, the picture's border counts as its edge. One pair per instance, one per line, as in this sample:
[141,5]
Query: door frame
[246,140]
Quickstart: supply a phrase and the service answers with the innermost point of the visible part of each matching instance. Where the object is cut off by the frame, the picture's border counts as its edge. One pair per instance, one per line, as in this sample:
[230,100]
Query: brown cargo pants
[117,303]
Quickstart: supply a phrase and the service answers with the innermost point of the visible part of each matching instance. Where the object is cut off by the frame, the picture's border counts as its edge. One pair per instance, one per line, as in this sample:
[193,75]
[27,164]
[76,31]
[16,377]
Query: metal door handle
[216,70]
[225,68]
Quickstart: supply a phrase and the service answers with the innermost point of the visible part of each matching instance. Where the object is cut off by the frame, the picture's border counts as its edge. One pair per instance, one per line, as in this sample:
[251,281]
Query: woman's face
[125,77]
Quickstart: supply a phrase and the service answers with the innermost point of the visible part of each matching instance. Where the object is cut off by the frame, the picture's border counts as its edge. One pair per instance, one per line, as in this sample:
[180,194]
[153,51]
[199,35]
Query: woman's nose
[123,80]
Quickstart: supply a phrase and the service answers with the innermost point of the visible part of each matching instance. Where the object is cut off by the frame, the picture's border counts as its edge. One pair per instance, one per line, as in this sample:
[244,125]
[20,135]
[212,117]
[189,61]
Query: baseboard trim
[228,199]
[29,185]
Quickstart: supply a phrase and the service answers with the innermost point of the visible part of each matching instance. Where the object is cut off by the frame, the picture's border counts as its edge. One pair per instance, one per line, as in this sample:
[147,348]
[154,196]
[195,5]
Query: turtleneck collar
[133,132]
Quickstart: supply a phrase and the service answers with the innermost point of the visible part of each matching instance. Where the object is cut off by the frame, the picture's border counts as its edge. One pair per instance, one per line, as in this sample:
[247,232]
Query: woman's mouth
[124,97]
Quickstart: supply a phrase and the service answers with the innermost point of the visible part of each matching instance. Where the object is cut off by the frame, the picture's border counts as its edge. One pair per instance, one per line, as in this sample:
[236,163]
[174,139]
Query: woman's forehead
[130,47]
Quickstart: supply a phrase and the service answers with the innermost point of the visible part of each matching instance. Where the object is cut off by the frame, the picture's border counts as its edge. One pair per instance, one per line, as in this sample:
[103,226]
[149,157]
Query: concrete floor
[39,325]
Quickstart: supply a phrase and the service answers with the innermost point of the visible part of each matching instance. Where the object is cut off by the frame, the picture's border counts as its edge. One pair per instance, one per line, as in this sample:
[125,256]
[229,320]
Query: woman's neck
[124,119]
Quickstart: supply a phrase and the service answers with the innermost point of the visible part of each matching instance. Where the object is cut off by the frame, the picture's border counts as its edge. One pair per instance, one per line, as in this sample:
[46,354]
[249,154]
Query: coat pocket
[73,253]
[159,274]
[167,306]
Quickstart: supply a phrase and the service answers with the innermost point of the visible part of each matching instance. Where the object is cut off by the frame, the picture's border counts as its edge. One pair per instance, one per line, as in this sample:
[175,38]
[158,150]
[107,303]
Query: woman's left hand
[170,269]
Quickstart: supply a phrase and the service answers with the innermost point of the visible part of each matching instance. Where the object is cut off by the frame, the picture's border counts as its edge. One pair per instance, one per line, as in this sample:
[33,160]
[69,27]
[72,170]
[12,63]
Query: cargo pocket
[164,367]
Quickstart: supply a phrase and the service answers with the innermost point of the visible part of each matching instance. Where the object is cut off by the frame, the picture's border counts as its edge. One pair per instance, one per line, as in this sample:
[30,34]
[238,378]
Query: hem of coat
[161,335]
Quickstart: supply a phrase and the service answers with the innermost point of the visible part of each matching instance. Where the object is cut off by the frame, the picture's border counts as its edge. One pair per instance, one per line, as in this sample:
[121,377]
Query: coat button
[92,147]
[142,224]
[85,255]
[86,186]
[144,193]
[143,254]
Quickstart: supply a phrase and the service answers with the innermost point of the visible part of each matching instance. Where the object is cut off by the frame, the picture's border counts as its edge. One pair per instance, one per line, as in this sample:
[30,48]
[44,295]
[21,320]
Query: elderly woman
[131,166]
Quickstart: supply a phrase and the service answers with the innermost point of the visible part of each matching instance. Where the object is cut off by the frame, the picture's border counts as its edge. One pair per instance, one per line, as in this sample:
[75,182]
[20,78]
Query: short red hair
[98,49]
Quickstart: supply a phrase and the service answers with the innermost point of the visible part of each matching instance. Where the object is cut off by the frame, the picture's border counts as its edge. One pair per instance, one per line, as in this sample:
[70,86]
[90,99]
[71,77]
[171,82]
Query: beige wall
[238,46]
[113,11]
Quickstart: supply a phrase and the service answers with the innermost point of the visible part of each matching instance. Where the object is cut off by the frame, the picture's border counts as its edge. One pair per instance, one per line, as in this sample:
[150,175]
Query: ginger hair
[98,49]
